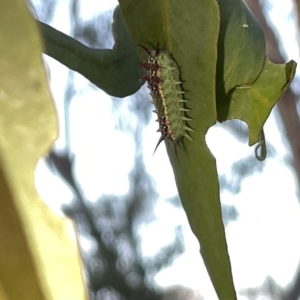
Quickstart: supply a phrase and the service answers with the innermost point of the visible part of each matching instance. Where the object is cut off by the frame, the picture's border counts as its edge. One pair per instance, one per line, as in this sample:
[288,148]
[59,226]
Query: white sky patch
[163,232]
[274,134]
[91,8]
[268,211]
[225,147]
[281,15]
[167,217]
[104,157]
[61,18]
[51,188]
[87,244]
[158,165]
[267,227]
[188,269]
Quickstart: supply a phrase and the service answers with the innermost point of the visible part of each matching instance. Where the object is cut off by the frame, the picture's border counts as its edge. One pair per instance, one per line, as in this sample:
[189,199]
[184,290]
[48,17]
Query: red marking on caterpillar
[162,76]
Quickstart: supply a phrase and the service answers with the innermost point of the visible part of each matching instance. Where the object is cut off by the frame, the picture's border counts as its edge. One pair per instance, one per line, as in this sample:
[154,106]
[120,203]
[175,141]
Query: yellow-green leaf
[39,258]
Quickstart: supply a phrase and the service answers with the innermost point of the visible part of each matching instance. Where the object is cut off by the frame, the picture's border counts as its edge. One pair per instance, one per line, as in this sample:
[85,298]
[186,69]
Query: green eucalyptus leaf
[190,35]
[241,47]
[248,85]
[253,103]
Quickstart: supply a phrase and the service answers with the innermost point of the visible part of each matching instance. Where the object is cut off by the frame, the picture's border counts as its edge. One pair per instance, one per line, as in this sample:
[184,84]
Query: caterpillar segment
[163,79]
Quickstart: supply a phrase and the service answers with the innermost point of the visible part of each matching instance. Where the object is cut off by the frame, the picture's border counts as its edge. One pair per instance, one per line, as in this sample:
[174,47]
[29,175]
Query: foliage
[220,49]
[38,253]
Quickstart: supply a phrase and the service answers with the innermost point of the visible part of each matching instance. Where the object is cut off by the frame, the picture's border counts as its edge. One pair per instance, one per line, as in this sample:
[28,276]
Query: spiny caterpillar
[162,76]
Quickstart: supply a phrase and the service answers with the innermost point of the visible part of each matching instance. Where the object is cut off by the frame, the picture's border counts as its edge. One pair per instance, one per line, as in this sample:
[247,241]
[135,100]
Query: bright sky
[262,242]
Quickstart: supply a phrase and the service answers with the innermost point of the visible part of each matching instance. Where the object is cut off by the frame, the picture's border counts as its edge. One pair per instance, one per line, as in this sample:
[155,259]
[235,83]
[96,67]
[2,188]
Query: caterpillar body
[162,76]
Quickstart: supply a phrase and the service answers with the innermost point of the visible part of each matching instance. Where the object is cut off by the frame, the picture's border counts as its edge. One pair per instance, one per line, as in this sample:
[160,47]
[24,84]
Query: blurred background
[134,237]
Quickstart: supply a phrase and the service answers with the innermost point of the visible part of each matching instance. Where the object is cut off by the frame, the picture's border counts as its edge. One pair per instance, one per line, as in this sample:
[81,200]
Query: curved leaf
[190,35]
[241,46]
[248,85]
[115,71]
[39,257]
[253,103]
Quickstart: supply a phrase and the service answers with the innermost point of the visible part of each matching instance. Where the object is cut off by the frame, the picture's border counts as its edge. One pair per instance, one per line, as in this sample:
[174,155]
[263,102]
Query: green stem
[116,71]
